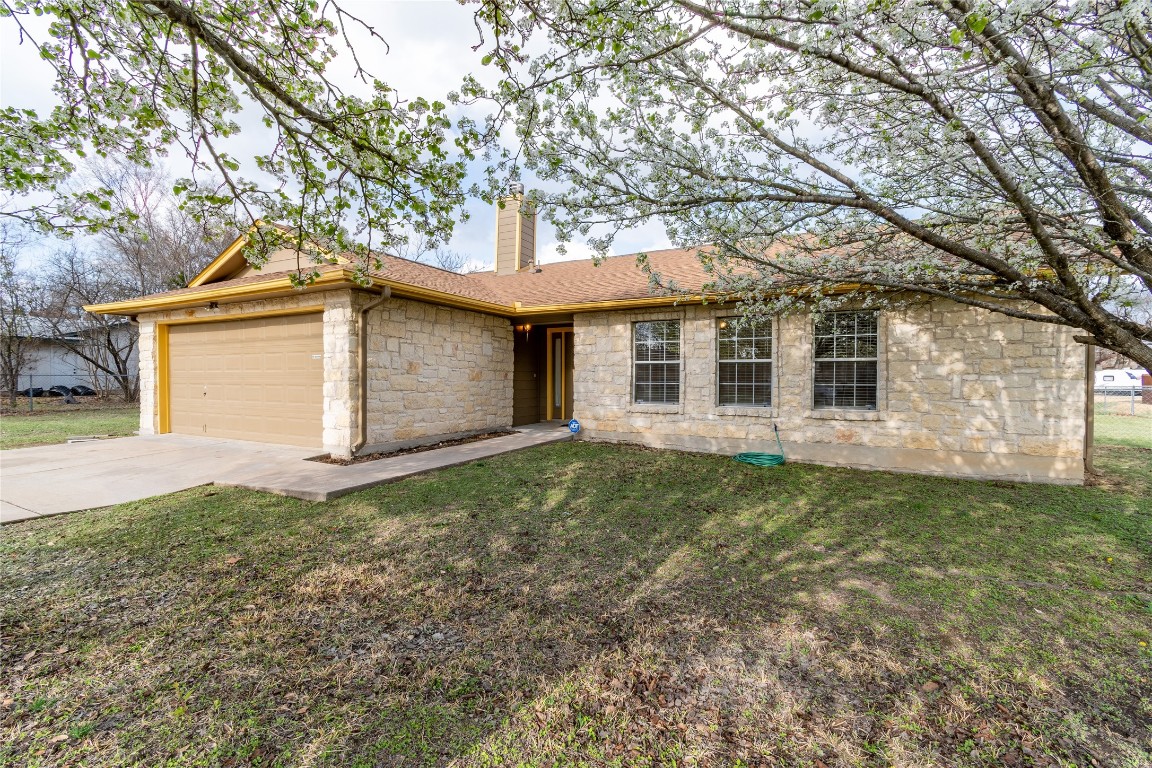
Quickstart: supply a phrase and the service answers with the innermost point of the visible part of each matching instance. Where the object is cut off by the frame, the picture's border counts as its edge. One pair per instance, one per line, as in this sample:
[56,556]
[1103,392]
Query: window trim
[633,402]
[843,410]
[771,360]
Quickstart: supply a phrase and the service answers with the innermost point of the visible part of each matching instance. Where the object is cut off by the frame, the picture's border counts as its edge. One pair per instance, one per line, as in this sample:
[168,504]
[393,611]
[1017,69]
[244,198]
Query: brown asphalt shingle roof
[424,276]
[616,278]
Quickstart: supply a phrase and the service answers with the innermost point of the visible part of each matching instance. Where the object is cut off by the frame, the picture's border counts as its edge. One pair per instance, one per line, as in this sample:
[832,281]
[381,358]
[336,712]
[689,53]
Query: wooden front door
[559,390]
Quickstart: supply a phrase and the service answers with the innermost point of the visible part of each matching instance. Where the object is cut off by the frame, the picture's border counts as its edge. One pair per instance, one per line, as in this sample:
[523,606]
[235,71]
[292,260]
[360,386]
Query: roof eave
[224,295]
[651,302]
[443,298]
[344,278]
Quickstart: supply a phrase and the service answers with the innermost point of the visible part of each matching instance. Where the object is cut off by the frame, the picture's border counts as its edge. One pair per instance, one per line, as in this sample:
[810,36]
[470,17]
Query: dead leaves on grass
[534,638]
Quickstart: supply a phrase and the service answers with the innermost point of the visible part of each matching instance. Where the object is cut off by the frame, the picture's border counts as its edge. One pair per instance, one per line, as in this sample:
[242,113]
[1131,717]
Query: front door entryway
[542,373]
[559,389]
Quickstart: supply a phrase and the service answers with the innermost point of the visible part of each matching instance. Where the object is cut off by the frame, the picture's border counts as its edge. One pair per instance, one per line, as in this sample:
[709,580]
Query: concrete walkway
[314,481]
[54,479]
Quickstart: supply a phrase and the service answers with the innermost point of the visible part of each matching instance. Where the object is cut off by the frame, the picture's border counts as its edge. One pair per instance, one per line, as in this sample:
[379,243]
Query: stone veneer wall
[963,392]
[435,371]
[340,371]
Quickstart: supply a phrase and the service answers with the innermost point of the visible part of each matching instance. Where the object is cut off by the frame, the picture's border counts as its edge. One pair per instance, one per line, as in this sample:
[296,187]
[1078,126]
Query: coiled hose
[764,459]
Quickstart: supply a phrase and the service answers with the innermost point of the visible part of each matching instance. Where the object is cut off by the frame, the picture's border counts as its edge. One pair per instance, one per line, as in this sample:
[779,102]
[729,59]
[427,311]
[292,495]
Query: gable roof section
[230,260]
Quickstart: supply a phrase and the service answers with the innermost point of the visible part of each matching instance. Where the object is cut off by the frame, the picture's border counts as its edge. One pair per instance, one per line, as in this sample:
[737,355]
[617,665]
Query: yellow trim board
[602,306]
[311,309]
[431,295]
[652,302]
[163,302]
[550,363]
[345,278]
[550,378]
[163,382]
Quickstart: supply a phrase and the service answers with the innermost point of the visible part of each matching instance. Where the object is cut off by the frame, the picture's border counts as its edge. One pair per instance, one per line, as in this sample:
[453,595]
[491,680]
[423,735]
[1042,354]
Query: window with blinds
[744,362]
[656,362]
[845,365]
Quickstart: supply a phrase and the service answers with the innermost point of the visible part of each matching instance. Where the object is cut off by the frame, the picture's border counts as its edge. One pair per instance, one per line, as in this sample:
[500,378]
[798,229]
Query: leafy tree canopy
[980,151]
[346,161]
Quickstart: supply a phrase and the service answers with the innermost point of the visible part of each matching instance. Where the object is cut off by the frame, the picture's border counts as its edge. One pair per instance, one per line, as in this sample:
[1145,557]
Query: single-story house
[423,353]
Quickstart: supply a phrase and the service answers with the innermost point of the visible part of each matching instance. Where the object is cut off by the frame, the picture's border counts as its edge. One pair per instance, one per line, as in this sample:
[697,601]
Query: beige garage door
[257,379]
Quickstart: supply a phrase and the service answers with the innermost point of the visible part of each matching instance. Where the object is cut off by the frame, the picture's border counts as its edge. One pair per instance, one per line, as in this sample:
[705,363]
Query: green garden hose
[764,459]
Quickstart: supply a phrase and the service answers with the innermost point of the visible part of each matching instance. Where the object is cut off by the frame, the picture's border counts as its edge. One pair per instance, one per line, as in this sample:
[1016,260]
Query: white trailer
[1118,380]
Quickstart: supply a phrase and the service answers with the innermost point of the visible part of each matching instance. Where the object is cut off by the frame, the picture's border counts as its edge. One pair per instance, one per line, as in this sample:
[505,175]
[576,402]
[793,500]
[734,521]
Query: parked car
[32,392]
[60,390]
[81,390]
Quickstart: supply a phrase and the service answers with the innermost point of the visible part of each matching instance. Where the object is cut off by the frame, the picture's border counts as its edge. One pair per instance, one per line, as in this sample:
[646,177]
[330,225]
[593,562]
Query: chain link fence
[1122,416]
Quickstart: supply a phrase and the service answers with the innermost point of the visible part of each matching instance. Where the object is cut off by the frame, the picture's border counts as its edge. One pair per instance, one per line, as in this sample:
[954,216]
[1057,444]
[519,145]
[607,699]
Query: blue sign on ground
[574,426]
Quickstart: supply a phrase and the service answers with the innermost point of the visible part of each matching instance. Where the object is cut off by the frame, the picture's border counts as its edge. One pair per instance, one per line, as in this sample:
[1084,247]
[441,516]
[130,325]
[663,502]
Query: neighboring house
[51,358]
[937,388]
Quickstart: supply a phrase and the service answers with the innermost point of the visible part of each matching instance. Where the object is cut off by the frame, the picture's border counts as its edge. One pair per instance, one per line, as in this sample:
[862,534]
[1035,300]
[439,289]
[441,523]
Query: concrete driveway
[51,479]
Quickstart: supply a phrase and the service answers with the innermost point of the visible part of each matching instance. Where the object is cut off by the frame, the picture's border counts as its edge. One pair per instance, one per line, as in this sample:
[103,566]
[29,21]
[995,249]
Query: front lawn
[56,422]
[583,604]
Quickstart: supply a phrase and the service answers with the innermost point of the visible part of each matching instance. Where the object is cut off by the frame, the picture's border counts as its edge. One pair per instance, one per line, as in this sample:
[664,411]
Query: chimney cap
[515,188]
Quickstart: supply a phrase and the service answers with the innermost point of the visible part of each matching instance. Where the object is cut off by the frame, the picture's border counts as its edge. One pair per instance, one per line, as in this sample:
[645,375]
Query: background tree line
[158,246]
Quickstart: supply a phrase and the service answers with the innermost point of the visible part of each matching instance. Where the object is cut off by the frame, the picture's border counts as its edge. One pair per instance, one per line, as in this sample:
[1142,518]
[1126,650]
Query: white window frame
[678,361]
[875,360]
[722,324]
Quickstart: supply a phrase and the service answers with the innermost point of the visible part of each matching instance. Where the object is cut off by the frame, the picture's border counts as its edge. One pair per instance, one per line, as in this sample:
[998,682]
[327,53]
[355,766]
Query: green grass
[53,423]
[1133,431]
[591,605]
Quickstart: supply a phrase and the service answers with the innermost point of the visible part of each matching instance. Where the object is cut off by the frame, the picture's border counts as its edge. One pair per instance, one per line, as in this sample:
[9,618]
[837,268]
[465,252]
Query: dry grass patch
[591,605]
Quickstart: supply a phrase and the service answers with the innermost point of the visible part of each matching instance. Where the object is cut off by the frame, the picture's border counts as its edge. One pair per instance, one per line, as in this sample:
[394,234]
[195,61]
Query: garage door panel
[257,379]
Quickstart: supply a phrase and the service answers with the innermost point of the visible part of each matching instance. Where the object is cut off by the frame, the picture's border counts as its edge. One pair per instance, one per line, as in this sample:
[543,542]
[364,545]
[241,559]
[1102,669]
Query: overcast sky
[431,51]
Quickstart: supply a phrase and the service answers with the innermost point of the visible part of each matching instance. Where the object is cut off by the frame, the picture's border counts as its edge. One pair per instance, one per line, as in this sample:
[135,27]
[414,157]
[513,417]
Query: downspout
[362,369]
